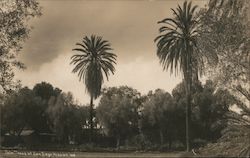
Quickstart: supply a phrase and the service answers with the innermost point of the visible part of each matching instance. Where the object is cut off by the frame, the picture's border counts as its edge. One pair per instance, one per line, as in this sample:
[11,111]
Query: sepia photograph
[124,78]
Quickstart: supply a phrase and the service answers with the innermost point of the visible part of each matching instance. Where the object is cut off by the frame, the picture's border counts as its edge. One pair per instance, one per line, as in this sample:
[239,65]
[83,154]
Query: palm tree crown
[93,60]
[177,42]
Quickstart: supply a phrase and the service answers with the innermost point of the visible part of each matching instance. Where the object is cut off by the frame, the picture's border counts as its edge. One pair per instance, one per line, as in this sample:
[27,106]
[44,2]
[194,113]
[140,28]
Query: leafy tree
[45,91]
[177,49]
[67,118]
[22,109]
[210,108]
[156,115]
[14,30]
[28,108]
[94,59]
[179,99]
[227,33]
[118,112]
[12,120]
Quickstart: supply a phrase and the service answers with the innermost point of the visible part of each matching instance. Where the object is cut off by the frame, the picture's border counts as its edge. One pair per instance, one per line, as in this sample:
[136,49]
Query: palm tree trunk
[188,110]
[161,137]
[188,79]
[91,118]
[170,143]
[118,138]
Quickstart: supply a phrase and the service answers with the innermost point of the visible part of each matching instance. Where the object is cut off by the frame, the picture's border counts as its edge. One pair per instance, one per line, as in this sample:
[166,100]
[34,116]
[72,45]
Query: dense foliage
[152,121]
[118,112]
[14,30]
[45,110]
[226,32]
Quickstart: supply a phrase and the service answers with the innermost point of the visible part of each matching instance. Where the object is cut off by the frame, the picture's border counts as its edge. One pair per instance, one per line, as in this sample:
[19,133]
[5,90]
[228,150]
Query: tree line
[124,117]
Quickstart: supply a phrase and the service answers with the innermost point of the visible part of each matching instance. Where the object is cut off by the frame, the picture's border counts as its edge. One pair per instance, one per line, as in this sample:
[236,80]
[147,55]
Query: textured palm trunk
[188,81]
[170,143]
[91,119]
[118,138]
[161,137]
[188,111]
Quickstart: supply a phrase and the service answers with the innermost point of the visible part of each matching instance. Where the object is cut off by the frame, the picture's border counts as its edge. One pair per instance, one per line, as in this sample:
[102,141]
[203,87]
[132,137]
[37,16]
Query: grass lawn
[40,154]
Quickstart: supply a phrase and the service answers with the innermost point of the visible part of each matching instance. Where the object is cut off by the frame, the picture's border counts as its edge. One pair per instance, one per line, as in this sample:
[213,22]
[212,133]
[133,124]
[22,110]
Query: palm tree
[177,49]
[93,61]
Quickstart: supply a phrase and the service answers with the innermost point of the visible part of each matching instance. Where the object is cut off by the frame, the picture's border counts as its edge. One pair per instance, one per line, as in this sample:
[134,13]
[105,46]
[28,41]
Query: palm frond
[177,39]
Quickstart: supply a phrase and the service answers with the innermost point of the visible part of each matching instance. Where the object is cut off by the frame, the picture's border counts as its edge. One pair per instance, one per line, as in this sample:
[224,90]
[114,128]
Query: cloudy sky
[130,26]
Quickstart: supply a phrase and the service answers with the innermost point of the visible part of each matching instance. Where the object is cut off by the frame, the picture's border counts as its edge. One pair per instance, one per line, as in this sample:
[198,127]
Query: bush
[139,142]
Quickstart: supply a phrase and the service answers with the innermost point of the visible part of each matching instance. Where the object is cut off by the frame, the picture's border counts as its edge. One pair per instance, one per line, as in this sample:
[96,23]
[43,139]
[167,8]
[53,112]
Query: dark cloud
[130,26]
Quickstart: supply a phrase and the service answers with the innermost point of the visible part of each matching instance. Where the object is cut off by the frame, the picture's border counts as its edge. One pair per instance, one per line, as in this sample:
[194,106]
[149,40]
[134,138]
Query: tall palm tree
[177,49]
[93,60]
